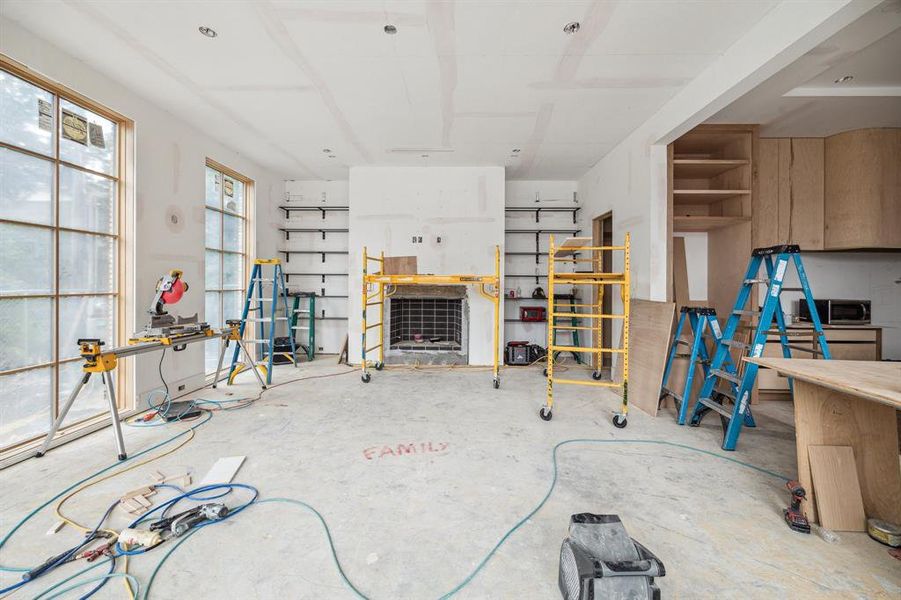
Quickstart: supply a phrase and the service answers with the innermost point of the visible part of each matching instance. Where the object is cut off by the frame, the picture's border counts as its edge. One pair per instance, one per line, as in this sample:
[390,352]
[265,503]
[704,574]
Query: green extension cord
[456,589]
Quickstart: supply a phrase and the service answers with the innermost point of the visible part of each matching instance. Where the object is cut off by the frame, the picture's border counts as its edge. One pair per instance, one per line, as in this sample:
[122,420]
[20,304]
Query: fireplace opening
[432,324]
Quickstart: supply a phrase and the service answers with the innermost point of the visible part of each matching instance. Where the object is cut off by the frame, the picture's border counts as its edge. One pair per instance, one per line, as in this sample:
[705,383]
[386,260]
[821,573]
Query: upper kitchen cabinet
[790,196]
[863,189]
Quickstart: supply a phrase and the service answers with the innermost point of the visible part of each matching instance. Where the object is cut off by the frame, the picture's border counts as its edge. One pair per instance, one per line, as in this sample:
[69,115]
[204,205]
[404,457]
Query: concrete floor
[420,473]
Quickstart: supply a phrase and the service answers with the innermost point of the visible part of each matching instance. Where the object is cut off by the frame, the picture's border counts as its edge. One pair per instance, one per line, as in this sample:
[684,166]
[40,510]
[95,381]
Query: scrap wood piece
[837,488]
[147,490]
[570,245]
[223,471]
[650,328]
[400,265]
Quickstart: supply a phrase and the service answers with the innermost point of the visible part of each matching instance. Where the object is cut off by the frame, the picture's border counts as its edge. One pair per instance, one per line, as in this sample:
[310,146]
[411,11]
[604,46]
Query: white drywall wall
[462,205]
[696,262]
[630,180]
[329,332]
[170,157]
[549,193]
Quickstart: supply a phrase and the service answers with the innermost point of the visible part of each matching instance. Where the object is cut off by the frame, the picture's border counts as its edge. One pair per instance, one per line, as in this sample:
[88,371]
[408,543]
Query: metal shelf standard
[379,281]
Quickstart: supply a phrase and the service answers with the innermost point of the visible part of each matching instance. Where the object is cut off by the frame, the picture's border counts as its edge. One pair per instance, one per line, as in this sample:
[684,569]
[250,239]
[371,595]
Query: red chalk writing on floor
[388,451]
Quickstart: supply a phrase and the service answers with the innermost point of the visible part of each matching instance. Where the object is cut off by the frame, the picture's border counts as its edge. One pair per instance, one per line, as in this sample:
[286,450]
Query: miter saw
[169,290]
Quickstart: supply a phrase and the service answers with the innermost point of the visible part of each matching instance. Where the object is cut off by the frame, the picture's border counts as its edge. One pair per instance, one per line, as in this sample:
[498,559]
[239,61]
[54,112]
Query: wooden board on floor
[400,265]
[564,249]
[650,328]
[838,496]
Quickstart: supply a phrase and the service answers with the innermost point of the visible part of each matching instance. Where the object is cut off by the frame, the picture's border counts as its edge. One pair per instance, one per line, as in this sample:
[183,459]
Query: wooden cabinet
[789,207]
[863,189]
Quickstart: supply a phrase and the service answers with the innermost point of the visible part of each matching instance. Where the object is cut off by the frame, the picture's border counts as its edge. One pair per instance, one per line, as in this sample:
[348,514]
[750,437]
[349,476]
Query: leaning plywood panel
[650,328]
[838,496]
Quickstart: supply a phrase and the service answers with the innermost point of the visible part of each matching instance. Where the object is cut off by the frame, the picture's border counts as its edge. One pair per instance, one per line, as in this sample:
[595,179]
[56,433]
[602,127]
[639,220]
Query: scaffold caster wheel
[379,366]
[497,383]
[619,421]
[545,372]
[545,413]
[596,375]
[366,377]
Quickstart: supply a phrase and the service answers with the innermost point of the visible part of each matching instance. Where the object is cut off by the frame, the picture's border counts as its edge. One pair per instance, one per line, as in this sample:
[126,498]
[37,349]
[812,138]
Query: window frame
[248,241]
[123,177]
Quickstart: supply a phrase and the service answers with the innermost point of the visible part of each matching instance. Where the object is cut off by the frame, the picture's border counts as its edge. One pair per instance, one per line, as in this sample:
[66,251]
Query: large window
[226,225]
[60,211]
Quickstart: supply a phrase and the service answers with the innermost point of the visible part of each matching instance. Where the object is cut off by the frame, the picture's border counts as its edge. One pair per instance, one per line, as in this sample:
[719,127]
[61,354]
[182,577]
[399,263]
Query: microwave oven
[838,312]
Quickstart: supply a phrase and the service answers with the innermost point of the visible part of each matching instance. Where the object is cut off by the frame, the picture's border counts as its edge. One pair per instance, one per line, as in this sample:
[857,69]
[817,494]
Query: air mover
[599,560]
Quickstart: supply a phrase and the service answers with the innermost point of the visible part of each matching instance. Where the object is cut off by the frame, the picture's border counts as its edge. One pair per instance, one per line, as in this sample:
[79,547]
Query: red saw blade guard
[175,293]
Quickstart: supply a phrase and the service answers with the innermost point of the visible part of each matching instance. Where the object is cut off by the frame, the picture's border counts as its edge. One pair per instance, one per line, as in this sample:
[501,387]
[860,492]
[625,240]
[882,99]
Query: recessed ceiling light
[208,31]
[390,29]
[844,79]
[516,151]
[572,27]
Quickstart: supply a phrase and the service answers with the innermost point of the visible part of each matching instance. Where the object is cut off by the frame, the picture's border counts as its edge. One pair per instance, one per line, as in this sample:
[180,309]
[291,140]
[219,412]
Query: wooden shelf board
[705,223]
[701,168]
[705,196]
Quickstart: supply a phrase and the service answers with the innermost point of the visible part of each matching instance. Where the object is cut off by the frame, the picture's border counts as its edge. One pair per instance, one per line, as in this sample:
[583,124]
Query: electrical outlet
[321,349]
[417,239]
[323,196]
[181,388]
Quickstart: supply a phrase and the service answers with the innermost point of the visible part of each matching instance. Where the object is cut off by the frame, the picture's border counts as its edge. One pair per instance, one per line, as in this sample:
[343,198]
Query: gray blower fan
[599,561]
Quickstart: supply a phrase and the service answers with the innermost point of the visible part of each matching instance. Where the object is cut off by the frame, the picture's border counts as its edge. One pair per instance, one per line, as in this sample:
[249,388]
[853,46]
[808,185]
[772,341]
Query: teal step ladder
[569,301]
[261,308]
[309,315]
[700,320]
[712,398]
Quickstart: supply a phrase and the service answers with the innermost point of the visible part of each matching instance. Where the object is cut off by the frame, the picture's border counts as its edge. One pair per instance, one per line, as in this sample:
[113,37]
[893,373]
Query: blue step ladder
[262,309]
[700,320]
[713,398]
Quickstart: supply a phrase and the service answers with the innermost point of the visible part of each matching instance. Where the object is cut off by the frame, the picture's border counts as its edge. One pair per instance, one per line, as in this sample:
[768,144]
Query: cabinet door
[765,213]
[863,189]
[859,351]
[789,205]
[804,205]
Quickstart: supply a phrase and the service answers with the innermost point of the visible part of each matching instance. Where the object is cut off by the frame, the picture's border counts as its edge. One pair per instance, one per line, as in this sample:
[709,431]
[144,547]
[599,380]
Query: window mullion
[54,399]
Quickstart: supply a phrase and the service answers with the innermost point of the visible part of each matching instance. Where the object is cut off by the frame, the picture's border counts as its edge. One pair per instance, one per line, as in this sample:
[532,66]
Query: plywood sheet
[824,417]
[400,265]
[873,380]
[650,328]
[838,497]
[565,249]
[680,273]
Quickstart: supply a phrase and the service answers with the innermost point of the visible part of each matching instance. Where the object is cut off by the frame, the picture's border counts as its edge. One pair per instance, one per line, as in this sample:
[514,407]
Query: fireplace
[426,324]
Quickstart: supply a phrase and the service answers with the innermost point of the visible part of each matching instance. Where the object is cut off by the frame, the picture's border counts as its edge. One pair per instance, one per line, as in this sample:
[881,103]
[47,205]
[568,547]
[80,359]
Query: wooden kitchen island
[848,403]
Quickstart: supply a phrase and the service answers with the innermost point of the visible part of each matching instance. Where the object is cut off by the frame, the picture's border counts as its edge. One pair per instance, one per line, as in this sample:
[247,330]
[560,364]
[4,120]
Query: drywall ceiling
[462,82]
[807,99]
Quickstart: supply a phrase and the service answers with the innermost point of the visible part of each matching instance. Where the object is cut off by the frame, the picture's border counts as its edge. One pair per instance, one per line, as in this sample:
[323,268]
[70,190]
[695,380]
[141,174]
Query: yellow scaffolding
[597,279]
[378,281]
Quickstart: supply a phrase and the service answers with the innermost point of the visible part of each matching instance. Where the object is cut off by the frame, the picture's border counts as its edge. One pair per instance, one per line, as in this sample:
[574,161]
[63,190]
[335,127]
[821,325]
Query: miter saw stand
[164,331]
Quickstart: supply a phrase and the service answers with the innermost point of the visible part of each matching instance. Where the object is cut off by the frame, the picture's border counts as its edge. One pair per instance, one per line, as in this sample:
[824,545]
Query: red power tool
[793,515]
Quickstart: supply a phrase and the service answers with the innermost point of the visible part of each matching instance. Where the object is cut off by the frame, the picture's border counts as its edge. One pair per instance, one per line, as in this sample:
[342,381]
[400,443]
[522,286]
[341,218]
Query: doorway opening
[602,235]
